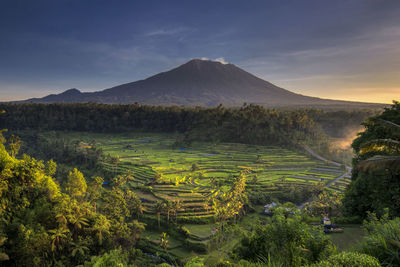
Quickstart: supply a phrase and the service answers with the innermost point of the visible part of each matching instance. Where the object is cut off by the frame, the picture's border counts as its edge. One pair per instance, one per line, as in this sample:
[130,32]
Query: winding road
[348,172]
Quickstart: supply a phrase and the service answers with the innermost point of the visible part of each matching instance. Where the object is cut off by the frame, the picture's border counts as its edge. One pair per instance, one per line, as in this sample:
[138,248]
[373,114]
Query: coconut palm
[57,236]
[101,226]
[136,229]
[62,220]
[78,248]
[159,207]
[176,206]
[167,207]
[78,223]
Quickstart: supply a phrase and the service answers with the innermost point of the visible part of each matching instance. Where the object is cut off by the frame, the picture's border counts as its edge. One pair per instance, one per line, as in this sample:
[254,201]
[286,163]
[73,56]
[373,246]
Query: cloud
[218,59]
[221,60]
[166,32]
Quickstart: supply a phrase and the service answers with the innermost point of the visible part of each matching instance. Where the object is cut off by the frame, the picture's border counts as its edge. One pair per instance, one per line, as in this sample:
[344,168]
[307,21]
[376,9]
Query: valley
[158,171]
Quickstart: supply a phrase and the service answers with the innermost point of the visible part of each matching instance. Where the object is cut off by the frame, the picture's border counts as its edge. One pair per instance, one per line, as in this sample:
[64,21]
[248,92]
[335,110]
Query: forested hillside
[249,124]
[44,223]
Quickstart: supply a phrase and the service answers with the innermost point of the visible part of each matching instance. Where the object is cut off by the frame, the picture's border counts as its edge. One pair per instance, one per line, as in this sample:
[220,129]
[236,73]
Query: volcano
[197,83]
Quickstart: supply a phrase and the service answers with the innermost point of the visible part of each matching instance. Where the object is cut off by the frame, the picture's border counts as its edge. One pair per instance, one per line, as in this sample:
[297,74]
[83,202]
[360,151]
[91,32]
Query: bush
[285,239]
[112,258]
[346,259]
[195,262]
[259,197]
[197,246]
[382,240]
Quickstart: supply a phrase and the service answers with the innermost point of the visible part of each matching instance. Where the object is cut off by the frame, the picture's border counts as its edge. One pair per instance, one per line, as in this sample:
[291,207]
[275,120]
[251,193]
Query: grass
[202,231]
[352,234]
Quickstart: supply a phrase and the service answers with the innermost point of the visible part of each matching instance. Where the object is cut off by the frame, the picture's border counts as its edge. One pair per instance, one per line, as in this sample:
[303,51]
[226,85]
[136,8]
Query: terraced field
[340,185]
[194,174]
[197,172]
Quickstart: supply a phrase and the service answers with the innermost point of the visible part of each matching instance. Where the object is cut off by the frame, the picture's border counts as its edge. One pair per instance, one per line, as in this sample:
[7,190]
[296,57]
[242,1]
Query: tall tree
[14,145]
[375,181]
[76,184]
[159,208]
[58,235]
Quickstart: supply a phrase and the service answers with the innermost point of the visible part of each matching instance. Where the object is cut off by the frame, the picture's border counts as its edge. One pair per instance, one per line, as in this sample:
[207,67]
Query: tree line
[250,124]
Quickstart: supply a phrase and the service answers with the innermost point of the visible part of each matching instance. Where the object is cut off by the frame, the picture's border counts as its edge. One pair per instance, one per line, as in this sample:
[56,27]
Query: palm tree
[78,222]
[62,220]
[138,207]
[159,207]
[101,226]
[176,205]
[136,229]
[168,207]
[164,241]
[389,150]
[57,235]
[78,248]
[134,203]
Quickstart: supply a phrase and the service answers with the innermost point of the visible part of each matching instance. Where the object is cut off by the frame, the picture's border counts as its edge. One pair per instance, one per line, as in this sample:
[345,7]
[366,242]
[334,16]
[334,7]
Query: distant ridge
[198,83]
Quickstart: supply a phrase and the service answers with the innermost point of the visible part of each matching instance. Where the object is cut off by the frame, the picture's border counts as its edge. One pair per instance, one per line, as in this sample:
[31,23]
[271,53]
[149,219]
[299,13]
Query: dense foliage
[383,239]
[248,124]
[72,220]
[345,259]
[376,175]
[285,239]
[45,224]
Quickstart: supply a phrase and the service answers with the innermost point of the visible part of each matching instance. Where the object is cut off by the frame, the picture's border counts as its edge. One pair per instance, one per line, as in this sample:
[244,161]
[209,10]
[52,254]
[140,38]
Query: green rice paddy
[194,173]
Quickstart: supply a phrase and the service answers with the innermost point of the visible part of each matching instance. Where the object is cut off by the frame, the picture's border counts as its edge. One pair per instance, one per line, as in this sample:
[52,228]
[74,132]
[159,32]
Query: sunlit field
[193,174]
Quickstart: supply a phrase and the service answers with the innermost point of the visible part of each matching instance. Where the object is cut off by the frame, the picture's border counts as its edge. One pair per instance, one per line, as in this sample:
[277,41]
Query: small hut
[268,208]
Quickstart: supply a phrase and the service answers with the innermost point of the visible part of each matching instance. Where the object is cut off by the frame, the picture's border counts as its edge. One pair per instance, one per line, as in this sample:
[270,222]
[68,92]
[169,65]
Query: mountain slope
[197,82]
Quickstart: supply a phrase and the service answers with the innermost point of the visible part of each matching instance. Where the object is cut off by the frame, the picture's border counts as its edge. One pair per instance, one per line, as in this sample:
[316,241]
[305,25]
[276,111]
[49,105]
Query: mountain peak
[204,62]
[198,82]
[72,91]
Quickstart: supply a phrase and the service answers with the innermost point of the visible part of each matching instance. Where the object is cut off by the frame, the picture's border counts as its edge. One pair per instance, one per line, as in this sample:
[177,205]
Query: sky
[344,49]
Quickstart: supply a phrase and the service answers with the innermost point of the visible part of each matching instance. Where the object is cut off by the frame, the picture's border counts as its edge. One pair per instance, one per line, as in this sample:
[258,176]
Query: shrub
[285,239]
[195,262]
[346,259]
[196,246]
[112,258]
[382,240]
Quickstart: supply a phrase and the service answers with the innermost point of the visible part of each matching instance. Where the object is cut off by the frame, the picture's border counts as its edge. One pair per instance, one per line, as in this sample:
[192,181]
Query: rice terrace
[194,173]
[159,170]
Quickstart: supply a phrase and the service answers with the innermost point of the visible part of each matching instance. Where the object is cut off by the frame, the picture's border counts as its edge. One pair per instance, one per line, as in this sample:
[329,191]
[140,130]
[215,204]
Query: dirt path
[348,172]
